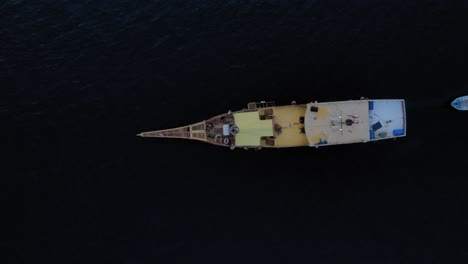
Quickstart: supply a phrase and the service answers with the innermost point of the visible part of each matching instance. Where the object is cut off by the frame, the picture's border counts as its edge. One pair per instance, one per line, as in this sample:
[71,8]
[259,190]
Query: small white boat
[461,103]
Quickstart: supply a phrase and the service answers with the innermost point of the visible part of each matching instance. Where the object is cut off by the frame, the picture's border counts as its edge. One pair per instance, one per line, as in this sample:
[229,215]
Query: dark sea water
[80,78]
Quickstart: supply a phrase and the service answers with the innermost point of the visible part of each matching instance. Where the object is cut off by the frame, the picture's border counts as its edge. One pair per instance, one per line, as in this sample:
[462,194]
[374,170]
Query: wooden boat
[264,125]
[461,103]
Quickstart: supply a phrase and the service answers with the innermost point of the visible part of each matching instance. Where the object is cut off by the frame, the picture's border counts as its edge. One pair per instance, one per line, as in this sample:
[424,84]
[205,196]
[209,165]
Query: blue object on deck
[322,142]
[372,134]
[371,105]
[398,132]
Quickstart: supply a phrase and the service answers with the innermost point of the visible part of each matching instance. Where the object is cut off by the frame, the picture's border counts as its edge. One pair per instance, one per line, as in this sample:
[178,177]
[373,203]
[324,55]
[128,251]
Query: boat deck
[210,131]
[288,122]
[337,122]
[386,119]
[328,123]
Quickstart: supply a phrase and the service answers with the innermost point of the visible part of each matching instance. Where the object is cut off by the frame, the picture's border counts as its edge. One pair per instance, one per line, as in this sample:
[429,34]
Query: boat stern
[353,121]
[387,119]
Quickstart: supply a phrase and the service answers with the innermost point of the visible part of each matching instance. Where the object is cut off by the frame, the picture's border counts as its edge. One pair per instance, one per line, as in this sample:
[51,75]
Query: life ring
[218,138]
[226,141]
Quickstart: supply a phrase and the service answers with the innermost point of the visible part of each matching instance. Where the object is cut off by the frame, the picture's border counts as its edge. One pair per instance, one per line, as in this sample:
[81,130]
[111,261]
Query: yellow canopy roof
[251,128]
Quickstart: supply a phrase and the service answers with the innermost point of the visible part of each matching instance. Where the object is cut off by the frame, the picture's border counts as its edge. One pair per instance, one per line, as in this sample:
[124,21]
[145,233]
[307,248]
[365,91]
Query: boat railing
[261,104]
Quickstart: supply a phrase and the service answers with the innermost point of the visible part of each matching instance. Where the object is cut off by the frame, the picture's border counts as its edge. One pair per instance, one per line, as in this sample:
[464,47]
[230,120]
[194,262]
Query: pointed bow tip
[139,135]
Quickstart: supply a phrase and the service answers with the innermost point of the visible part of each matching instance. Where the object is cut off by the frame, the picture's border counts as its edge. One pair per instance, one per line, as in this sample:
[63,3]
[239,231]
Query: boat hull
[460,103]
[264,125]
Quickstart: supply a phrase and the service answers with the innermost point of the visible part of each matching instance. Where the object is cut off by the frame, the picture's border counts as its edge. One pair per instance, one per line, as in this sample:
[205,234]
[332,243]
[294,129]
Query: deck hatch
[251,128]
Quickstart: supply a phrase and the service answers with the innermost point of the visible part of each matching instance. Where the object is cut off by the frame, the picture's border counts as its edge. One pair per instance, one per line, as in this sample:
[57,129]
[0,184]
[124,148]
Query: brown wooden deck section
[210,131]
[214,130]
